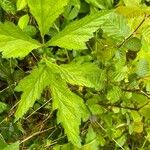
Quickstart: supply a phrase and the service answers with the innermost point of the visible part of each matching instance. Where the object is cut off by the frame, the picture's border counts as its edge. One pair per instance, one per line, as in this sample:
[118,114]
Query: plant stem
[141,23]
[34,134]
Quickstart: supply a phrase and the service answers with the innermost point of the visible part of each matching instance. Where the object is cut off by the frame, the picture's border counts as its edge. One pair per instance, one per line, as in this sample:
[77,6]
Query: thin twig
[141,23]
[55,141]
[38,108]
[7,87]
[106,133]
[36,133]
[119,106]
[34,56]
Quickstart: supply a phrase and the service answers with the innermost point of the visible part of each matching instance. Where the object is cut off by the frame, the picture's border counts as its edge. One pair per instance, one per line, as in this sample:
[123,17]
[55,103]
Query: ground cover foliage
[74,75]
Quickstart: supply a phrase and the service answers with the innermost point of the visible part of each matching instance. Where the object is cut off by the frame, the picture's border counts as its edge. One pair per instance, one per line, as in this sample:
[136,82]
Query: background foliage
[75,74]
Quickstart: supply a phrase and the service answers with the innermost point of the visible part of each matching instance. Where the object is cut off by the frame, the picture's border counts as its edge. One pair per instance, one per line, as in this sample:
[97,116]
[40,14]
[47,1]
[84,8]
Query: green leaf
[32,87]
[96,109]
[30,30]
[144,53]
[146,33]
[121,140]
[136,116]
[14,42]
[142,68]
[116,27]
[139,99]
[147,83]
[83,74]
[3,107]
[86,74]
[21,4]
[72,9]
[2,144]
[133,44]
[23,21]
[148,135]
[67,146]
[138,127]
[132,3]
[93,105]
[77,33]
[8,6]
[135,13]
[46,12]
[91,140]
[114,94]
[91,135]
[13,146]
[145,111]
[101,3]
[96,3]
[70,109]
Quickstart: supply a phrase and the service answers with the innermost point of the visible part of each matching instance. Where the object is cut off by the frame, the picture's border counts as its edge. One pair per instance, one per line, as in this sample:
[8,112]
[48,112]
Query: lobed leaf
[14,42]
[86,74]
[32,87]
[46,12]
[70,109]
[116,27]
[77,33]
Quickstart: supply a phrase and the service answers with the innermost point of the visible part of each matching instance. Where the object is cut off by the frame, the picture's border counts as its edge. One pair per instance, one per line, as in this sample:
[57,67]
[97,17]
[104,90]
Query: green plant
[82,69]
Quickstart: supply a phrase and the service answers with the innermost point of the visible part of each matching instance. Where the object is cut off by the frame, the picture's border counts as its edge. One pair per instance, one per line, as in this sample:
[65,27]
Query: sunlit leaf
[77,33]
[46,12]
[70,109]
[32,87]
[14,42]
